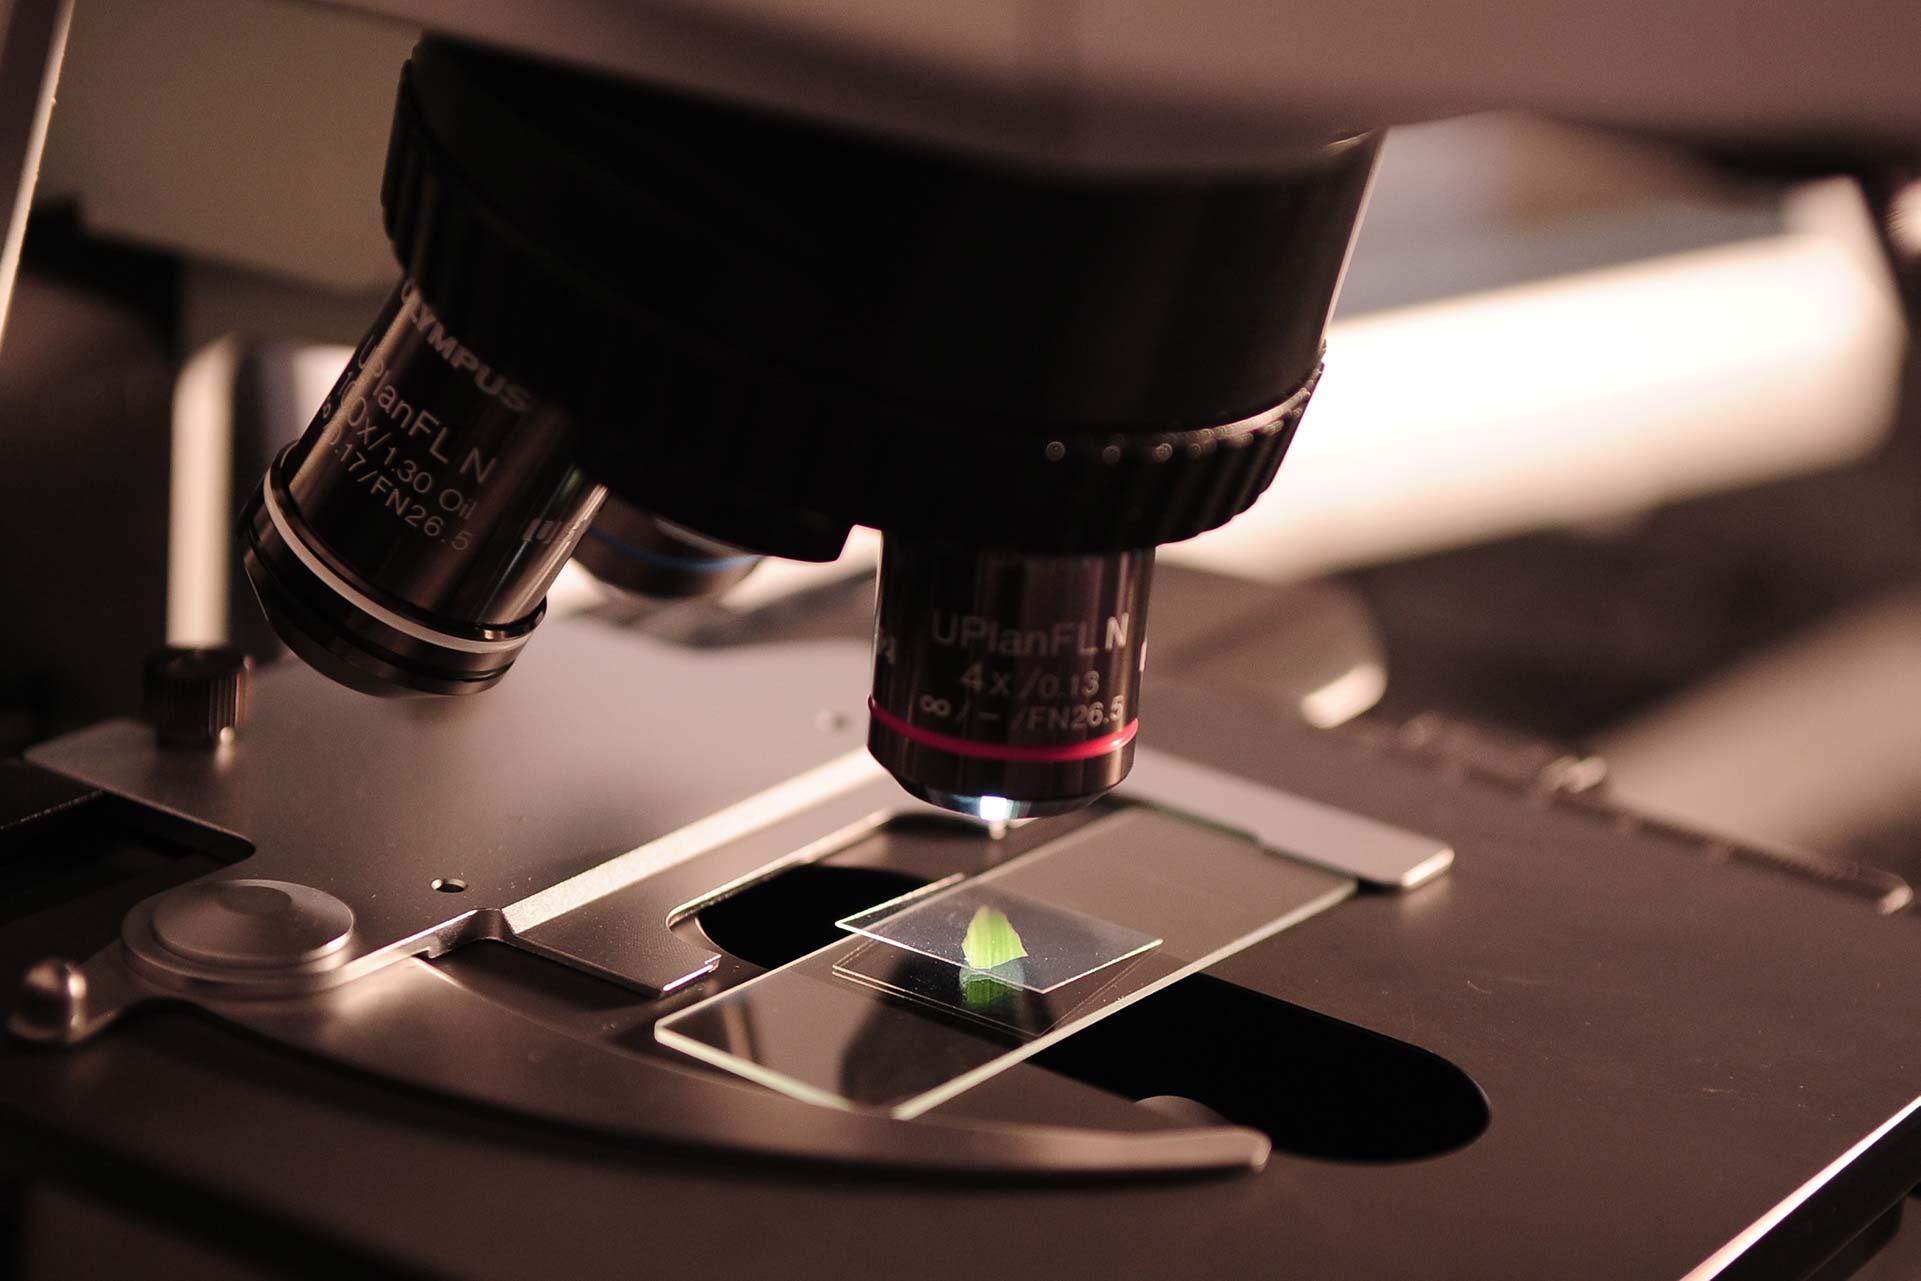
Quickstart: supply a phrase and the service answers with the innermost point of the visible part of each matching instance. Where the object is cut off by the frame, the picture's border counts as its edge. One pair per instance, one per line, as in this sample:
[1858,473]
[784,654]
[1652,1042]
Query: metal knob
[251,924]
[195,697]
[52,1002]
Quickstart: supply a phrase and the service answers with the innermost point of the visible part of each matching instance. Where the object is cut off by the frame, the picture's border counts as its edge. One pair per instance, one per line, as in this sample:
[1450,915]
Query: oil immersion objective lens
[406,542]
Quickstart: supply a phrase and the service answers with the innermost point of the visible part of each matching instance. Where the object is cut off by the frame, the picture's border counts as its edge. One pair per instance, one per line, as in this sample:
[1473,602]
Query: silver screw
[53,1000]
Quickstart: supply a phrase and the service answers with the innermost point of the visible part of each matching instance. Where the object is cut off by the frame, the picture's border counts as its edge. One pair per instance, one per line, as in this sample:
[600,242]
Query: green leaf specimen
[991,940]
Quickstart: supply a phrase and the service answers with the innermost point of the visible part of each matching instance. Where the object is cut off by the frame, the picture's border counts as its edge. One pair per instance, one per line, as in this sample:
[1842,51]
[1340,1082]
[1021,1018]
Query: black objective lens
[1007,685]
[406,542]
[638,552]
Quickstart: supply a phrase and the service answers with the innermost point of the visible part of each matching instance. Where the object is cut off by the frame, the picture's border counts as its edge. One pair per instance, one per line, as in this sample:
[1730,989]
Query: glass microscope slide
[935,992]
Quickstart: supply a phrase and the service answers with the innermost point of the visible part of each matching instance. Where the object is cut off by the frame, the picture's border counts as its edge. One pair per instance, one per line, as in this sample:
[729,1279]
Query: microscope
[443,948]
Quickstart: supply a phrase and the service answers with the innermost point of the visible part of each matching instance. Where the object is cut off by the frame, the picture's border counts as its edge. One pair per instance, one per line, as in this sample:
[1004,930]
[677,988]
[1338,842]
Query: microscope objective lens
[406,542]
[1007,685]
[636,552]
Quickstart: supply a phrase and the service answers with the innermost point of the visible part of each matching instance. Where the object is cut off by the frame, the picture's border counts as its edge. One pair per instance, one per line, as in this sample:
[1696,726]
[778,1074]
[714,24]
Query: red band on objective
[996,752]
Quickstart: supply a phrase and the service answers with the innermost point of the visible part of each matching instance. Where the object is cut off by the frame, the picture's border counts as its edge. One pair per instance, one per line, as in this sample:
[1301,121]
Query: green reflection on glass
[991,993]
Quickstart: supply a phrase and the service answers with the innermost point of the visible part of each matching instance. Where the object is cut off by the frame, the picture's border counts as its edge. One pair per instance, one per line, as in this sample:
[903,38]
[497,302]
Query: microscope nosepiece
[1007,685]
[759,333]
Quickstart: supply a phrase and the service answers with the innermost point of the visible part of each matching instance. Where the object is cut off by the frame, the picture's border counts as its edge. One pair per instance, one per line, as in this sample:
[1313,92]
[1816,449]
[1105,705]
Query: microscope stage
[1590,1048]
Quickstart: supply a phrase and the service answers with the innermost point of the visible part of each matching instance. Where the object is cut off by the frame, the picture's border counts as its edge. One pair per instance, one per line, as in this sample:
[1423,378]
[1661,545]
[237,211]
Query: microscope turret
[758,333]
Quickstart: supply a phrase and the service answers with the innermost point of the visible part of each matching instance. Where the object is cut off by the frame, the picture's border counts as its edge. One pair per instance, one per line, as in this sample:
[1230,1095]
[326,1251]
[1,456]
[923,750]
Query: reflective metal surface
[1382,855]
[525,817]
[553,778]
[412,1024]
[251,923]
[365,856]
